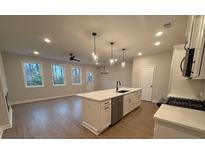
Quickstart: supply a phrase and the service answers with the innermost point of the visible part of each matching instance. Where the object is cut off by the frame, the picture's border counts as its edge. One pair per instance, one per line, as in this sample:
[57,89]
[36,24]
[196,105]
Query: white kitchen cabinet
[96,115]
[196,40]
[105,116]
[136,99]
[166,130]
[172,122]
[125,104]
[100,107]
[131,101]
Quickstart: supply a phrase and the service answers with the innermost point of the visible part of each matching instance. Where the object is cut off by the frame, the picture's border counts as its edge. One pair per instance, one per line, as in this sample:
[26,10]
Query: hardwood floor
[61,118]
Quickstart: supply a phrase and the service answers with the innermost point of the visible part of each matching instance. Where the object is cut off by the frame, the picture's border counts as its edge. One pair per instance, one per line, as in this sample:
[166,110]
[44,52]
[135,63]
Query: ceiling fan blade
[76,60]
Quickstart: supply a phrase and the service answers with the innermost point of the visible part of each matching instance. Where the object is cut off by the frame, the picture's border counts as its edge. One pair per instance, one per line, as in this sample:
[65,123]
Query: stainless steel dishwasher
[116,109]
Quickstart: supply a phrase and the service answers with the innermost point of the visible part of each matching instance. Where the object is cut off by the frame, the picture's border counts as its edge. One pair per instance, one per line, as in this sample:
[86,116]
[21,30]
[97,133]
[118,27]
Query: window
[89,78]
[76,76]
[58,75]
[32,74]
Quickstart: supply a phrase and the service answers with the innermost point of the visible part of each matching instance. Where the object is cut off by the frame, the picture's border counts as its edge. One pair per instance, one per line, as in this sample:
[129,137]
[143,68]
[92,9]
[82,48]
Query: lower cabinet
[105,116]
[131,101]
[96,115]
[166,130]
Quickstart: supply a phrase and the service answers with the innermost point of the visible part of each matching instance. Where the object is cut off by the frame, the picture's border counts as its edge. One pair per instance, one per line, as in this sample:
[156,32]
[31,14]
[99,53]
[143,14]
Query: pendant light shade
[123,64]
[111,55]
[94,53]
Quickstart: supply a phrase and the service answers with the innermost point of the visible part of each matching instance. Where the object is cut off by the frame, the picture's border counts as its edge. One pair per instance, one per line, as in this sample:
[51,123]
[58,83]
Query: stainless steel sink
[122,91]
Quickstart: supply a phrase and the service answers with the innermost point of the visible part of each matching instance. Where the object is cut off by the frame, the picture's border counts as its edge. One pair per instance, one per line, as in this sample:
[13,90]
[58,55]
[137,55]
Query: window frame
[24,75]
[76,84]
[64,75]
[87,77]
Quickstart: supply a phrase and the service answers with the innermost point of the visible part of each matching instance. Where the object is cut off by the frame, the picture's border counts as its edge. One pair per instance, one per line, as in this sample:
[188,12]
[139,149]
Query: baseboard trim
[91,128]
[40,99]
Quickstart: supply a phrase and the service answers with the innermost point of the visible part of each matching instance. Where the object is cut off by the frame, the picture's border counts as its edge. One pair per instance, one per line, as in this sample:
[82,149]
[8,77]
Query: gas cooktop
[183,102]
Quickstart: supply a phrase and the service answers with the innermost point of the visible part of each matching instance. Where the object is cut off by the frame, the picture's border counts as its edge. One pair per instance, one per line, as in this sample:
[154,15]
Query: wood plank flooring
[61,118]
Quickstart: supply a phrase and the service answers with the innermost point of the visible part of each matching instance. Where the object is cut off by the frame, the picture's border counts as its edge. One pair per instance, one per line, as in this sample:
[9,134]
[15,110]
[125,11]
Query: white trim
[76,84]
[64,74]
[41,73]
[11,116]
[40,99]
[91,128]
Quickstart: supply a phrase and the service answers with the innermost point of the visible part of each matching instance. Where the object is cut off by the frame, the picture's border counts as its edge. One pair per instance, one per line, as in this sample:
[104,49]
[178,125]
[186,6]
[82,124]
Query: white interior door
[146,80]
[89,81]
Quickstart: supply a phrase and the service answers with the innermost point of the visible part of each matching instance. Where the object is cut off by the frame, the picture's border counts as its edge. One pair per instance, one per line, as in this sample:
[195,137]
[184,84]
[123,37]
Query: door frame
[153,67]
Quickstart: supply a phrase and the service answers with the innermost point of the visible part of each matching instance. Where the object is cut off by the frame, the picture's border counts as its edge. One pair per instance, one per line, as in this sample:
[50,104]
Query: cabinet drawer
[105,103]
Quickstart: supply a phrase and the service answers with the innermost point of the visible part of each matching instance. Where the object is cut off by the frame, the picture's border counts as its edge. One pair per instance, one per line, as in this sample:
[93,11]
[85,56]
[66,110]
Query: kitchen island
[100,106]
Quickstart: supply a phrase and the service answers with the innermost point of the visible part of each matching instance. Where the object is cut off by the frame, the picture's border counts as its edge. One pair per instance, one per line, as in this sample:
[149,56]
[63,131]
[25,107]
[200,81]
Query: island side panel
[90,119]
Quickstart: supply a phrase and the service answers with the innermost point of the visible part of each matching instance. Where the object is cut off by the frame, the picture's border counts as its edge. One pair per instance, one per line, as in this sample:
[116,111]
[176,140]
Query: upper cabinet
[194,61]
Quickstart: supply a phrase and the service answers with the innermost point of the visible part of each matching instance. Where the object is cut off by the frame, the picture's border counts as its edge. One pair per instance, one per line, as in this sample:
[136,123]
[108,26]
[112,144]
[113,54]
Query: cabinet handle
[107,103]
[106,108]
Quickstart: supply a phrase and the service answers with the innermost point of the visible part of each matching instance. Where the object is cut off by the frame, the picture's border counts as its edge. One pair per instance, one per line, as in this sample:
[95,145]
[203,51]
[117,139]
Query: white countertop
[102,95]
[184,117]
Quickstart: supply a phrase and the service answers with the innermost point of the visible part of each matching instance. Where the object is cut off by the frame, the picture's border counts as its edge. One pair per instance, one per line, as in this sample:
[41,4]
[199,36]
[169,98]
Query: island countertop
[184,117]
[102,95]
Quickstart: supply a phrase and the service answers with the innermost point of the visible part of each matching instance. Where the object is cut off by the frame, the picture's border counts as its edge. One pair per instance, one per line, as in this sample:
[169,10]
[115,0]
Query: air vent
[167,25]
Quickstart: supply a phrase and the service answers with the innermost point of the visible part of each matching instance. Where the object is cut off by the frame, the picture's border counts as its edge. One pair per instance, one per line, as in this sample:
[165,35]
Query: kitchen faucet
[117,85]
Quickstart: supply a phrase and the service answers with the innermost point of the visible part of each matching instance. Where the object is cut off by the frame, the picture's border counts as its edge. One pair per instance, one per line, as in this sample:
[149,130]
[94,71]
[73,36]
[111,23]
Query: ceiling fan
[72,57]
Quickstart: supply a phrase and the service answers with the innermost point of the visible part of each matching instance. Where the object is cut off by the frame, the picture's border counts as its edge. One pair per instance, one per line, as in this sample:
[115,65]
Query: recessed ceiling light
[115,60]
[139,54]
[157,43]
[47,40]
[36,53]
[159,33]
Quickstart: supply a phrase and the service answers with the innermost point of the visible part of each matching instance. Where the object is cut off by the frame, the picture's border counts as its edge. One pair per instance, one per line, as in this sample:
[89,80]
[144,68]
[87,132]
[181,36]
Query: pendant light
[111,55]
[123,59]
[94,53]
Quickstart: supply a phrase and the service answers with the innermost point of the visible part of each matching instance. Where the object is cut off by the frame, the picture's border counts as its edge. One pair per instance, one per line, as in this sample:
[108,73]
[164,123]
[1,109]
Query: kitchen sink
[122,91]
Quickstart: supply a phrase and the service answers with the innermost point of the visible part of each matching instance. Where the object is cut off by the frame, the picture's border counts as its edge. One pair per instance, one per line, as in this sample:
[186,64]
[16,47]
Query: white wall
[124,75]
[18,93]
[203,90]
[4,115]
[180,85]
[162,63]
[2,74]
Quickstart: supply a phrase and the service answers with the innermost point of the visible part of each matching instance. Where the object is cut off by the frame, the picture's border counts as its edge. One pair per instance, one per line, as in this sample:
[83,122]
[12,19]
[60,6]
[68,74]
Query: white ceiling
[24,34]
